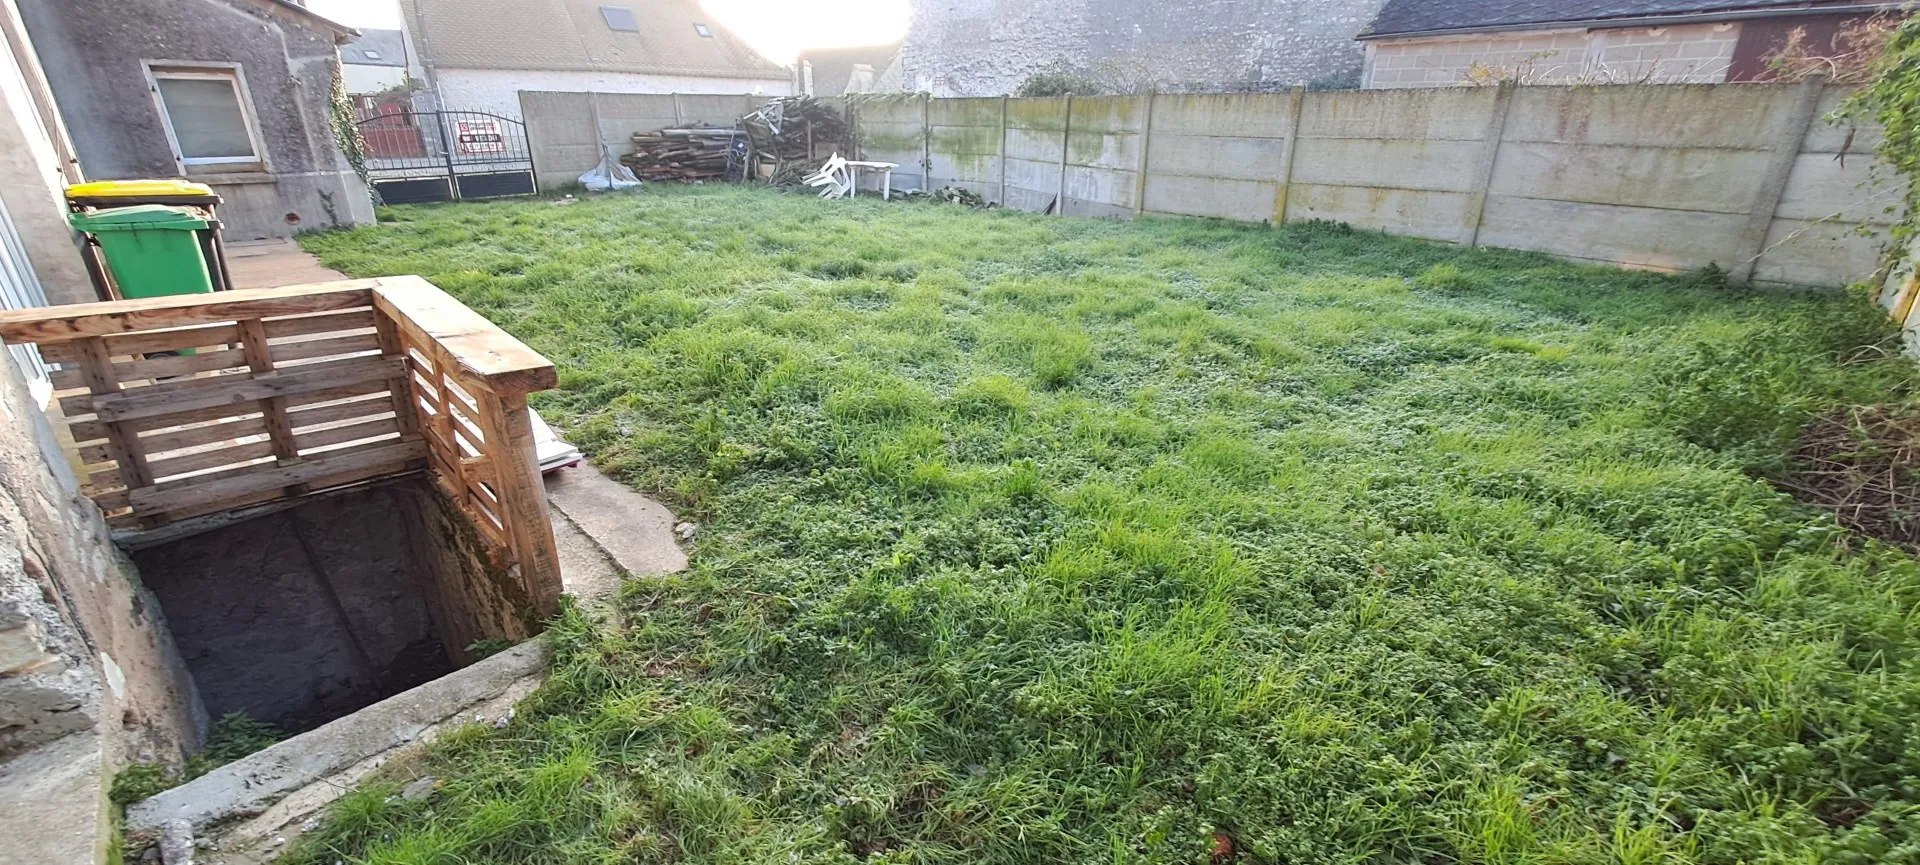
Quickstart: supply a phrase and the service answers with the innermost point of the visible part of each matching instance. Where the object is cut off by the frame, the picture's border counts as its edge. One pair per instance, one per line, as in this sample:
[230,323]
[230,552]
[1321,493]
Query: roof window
[703,31]
[620,18]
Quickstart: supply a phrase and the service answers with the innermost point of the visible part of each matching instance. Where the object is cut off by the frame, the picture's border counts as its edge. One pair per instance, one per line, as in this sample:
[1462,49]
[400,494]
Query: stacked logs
[787,131]
[685,155]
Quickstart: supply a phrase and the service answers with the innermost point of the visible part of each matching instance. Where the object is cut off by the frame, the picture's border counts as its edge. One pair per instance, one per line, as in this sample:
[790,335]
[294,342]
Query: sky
[779,29]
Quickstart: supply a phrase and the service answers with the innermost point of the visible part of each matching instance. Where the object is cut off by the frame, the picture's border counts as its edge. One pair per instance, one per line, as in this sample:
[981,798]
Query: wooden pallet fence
[186,406]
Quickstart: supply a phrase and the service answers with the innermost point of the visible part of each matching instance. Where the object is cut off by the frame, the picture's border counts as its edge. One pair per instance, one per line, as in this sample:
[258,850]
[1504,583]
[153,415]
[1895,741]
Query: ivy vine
[346,126]
[1891,98]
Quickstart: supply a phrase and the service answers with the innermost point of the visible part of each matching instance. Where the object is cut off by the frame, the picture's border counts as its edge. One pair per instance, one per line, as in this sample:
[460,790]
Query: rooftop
[662,37]
[1411,17]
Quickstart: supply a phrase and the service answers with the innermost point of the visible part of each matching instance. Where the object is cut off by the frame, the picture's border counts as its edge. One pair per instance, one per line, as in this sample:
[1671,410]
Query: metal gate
[415,156]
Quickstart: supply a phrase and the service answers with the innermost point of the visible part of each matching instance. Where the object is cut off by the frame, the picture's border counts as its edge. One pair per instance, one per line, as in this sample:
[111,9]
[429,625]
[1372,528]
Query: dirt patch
[1862,464]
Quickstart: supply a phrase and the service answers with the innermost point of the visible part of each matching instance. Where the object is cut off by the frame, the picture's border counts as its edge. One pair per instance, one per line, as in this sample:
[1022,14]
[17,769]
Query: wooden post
[1003,151]
[1140,174]
[123,442]
[1489,157]
[1296,100]
[1787,143]
[523,497]
[1066,143]
[253,341]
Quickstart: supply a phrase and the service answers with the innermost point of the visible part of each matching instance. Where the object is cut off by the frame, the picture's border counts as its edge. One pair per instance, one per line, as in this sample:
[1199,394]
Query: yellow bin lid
[138,189]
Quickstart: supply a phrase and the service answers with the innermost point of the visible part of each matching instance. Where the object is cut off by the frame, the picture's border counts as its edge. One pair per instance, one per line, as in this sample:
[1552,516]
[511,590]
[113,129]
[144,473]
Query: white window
[703,31]
[208,116]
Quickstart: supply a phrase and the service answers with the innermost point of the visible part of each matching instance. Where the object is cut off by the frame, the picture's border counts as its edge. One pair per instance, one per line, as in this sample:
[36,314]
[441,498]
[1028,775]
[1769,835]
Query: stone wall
[988,47]
[1667,177]
[1678,54]
[89,677]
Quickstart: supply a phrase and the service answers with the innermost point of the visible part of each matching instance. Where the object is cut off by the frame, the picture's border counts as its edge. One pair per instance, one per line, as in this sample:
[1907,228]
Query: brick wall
[1690,54]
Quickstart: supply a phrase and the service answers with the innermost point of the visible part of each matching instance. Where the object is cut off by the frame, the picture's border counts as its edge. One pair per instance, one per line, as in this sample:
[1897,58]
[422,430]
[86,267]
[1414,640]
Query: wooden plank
[105,479]
[80,320]
[355,344]
[90,430]
[160,366]
[210,459]
[67,379]
[178,496]
[172,339]
[429,316]
[349,433]
[331,482]
[74,405]
[225,392]
[331,322]
[122,442]
[335,412]
[204,434]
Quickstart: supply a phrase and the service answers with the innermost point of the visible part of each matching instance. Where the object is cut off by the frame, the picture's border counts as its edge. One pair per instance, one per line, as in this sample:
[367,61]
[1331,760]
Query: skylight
[620,18]
[703,31]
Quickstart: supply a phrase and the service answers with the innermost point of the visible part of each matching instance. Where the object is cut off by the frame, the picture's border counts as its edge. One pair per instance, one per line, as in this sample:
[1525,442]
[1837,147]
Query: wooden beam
[75,321]
[122,442]
[228,391]
[523,498]
[488,355]
[198,492]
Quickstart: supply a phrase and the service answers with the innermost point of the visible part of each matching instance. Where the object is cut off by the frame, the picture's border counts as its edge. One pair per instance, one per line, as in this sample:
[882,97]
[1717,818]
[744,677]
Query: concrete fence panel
[1036,151]
[561,134]
[894,129]
[1220,155]
[966,136]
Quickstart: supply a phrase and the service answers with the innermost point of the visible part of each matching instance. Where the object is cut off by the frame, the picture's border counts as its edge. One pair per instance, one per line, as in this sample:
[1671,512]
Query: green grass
[1051,540]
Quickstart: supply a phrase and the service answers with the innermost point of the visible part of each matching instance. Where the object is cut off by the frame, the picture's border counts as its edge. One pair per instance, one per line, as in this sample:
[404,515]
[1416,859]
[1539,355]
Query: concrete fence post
[1066,142]
[1003,151]
[593,110]
[679,119]
[1146,141]
[926,142]
[1489,157]
[1787,143]
[1296,103]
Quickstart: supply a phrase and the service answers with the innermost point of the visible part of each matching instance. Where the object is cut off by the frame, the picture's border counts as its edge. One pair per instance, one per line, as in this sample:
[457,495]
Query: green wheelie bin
[152,250]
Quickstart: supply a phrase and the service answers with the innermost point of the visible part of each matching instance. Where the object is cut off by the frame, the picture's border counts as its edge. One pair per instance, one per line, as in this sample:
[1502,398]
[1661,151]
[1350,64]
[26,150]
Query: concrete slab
[247,787]
[273,263]
[635,531]
[585,569]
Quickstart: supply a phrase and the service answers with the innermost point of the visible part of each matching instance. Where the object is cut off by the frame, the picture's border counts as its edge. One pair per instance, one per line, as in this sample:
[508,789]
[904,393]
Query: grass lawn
[1036,540]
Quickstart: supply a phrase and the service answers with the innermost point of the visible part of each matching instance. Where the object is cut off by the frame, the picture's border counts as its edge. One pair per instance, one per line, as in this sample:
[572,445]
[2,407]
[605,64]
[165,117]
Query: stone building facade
[988,47]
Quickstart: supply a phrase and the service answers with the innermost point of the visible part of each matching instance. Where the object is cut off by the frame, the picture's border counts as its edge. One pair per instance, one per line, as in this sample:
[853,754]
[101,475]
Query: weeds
[1046,540]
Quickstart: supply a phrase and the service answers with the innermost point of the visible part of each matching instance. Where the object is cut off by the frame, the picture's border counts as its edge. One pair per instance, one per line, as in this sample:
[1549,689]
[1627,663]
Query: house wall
[1679,54]
[988,47]
[1745,176]
[89,677]
[94,51]
[497,91]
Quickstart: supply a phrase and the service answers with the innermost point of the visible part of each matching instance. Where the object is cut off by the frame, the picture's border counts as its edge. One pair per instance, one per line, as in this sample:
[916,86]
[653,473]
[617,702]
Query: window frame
[236,78]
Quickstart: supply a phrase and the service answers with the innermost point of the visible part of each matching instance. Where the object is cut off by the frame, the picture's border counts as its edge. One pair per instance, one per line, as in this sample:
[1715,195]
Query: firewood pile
[687,155]
[784,133]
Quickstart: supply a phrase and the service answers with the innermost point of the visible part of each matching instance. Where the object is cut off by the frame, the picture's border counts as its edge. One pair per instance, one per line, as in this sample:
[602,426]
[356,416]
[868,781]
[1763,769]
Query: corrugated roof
[572,35]
[1425,16]
[376,48]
